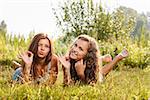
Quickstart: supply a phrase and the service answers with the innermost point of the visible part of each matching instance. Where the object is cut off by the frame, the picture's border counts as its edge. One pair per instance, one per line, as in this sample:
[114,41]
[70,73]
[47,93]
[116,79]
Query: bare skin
[78,52]
[27,57]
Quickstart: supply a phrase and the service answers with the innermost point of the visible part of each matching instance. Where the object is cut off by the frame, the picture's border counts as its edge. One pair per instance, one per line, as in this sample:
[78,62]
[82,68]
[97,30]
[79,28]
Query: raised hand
[65,62]
[80,67]
[27,57]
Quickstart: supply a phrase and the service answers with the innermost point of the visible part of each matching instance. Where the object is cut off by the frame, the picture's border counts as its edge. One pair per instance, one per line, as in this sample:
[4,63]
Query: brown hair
[91,60]
[34,48]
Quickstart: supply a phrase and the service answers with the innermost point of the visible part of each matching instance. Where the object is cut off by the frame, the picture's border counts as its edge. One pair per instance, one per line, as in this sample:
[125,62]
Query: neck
[41,61]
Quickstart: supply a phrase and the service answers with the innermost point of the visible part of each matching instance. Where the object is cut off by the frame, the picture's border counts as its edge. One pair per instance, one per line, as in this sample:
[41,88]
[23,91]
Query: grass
[129,84]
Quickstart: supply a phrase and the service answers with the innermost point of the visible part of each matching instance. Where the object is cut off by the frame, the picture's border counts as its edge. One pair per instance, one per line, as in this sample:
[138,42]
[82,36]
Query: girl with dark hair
[39,64]
[82,64]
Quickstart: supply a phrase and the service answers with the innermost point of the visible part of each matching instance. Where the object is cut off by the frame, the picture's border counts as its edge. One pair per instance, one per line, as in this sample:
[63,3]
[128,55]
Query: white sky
[24,16]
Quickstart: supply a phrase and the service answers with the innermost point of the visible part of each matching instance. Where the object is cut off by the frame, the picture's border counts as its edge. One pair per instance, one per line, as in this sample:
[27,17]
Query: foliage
[113,31]
[10,45]
[83,17]
[139,56]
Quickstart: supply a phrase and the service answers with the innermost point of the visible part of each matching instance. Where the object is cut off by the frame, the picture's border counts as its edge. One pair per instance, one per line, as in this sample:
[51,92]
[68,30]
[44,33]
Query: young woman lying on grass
[83,62]
[39,65]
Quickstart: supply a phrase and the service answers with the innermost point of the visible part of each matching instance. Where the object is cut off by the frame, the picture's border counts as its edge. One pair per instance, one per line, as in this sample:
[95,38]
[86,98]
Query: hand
[80,67]
[27,58]
[65,62]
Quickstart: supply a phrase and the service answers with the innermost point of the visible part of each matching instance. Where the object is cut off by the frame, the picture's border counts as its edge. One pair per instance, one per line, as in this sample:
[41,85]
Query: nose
[75,49]
[42,47]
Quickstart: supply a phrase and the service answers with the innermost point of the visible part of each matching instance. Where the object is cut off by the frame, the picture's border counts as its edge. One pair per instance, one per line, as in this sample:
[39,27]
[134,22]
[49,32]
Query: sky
[24,16]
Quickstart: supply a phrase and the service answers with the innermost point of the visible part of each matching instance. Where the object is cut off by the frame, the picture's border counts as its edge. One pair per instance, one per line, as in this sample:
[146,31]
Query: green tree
[83,17]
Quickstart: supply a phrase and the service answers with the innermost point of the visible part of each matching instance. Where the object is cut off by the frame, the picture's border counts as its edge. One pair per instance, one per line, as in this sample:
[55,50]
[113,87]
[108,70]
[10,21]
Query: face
[79,50]
[43,48]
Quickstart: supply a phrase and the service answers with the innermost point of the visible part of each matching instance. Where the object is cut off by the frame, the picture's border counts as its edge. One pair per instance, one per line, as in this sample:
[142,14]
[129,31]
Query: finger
[19,55]
[59,55]
[81,61]
[67,55]
[30,53]
[62,59]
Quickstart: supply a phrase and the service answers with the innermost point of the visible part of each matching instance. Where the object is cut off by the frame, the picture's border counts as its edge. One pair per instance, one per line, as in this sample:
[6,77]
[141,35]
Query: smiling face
[43,48]
[78,50]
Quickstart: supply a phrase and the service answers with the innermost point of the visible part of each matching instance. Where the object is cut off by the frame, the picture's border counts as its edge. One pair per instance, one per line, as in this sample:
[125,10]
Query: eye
[80,48]
[46,46]
[75,45]
[39,44]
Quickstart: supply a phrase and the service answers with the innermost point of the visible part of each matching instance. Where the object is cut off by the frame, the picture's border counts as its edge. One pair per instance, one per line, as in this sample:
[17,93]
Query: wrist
[26,69]
[80,74]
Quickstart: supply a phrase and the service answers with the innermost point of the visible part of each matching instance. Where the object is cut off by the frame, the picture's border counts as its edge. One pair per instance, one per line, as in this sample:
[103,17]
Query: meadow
[124,28]
[123,83]
[127,84]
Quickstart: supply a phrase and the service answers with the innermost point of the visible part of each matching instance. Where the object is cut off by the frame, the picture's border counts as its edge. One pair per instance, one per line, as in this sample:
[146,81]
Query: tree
[83,17]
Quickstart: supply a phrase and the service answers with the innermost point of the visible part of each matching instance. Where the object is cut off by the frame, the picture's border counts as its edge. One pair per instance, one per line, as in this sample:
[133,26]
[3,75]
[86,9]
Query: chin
[41,57]
[72,57]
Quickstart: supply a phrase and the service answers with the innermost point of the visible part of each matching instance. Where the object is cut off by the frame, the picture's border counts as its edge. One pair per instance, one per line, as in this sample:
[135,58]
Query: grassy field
[127,84]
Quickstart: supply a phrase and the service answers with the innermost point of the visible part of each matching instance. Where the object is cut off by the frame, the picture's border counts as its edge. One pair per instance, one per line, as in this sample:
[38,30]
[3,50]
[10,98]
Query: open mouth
[73,53]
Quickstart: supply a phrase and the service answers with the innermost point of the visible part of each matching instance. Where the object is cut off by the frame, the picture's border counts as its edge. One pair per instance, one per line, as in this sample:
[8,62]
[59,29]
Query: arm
[53,70]
[108,67]
[67,76]
[80,68]
[27,60]
[66,70]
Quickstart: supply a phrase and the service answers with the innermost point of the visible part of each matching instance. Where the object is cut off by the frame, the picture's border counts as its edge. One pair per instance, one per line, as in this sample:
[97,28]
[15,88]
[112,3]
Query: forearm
[26,72]
[101,58]
[53,77]
[67,76]
[82,77]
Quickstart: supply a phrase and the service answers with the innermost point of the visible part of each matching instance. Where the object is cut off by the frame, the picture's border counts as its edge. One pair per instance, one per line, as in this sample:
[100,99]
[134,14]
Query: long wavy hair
[34,49]
[90,59]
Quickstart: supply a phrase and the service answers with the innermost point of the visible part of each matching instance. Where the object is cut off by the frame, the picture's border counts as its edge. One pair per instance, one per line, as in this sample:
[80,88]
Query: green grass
[129,84]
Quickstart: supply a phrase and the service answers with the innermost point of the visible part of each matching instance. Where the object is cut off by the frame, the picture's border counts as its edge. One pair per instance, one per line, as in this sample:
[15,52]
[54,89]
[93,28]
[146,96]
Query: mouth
[73,53]
[41,53]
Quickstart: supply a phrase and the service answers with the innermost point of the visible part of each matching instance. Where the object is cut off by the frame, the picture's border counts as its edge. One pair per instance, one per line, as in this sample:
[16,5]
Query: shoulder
[54,57]
[54,62]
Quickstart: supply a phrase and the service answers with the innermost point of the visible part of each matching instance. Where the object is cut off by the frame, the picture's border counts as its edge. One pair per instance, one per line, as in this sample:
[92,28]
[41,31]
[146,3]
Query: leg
[106,58]
[17,74]
[108,67]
